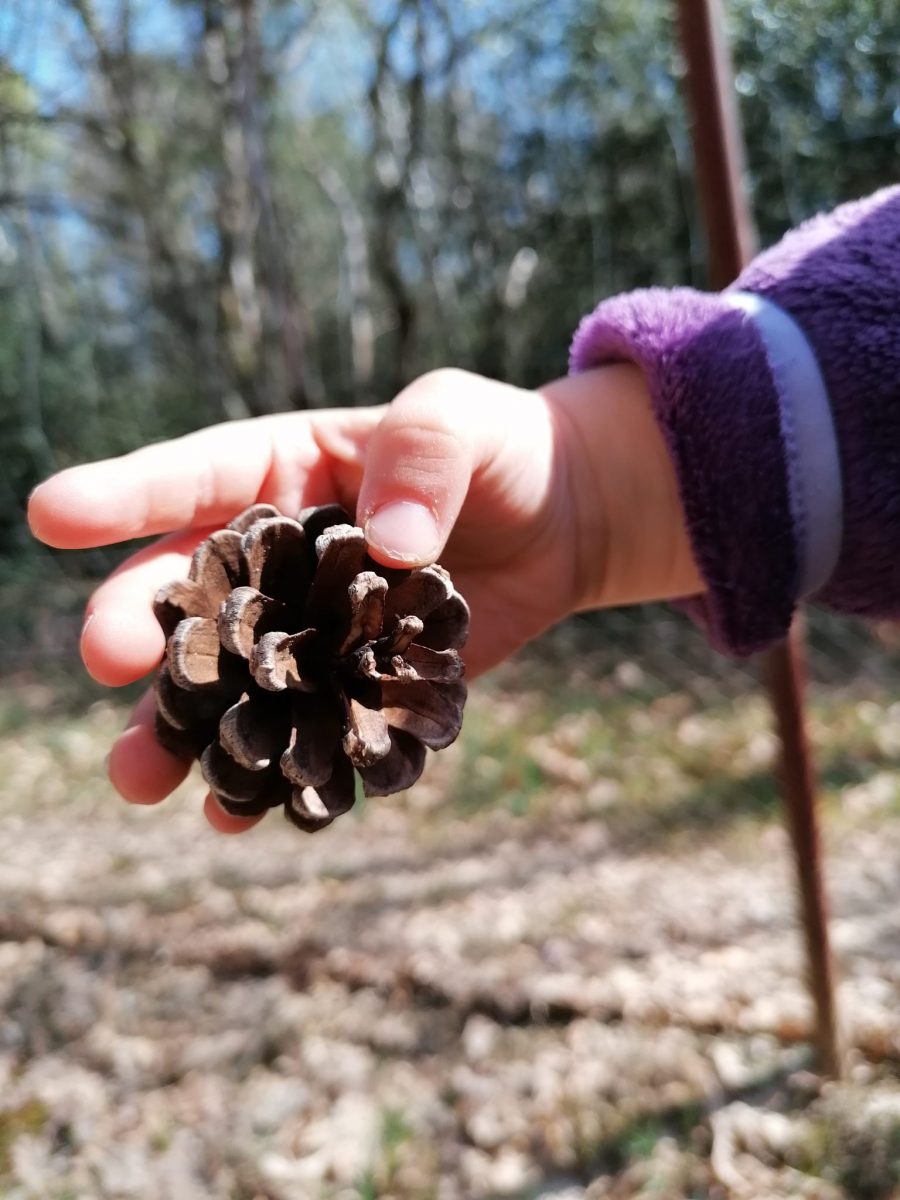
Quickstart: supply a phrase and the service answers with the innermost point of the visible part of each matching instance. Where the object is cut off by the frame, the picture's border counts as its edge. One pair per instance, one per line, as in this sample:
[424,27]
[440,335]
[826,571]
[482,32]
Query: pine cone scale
[366,739]
[184,743]
[398,770]
[251,736]
[316,519]
[245,616]
[256,512]
[431,712]
[218,564]
[314,742]
[419,594]
[314,808]
[278,793]
[275,550]
[341,552]
[230,781]
[367,594]
[177,601]
[447,626]
[434,666]
[274,661]
[198,660]
[405,632]
[183,709]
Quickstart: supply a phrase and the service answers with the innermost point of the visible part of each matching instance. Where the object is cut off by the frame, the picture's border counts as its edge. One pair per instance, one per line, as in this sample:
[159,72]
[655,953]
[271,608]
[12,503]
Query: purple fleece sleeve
[780,403]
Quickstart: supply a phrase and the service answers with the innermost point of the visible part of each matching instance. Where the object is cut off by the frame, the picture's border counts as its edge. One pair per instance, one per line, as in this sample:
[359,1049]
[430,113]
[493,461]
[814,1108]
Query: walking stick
[718,157]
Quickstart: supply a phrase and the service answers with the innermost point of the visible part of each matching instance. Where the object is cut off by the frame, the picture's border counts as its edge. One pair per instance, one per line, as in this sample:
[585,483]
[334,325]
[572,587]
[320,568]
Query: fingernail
[404,532]
[87,620]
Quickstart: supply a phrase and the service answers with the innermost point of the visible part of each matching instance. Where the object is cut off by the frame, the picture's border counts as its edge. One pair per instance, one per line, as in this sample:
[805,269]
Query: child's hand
[530,499]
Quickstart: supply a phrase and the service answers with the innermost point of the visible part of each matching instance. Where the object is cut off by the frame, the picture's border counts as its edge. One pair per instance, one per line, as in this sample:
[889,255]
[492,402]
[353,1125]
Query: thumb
[417,472]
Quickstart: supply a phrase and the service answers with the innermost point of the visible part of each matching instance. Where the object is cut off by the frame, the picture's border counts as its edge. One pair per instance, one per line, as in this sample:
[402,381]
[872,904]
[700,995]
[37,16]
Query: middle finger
[121,640]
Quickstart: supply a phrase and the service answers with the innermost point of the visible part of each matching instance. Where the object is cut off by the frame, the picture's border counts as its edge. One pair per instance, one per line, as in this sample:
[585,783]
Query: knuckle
[446,380]
[434,411]
[426,443]
[433,397]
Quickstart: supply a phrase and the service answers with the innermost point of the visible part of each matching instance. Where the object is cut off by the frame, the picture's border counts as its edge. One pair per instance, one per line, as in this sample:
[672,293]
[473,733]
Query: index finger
[204,478]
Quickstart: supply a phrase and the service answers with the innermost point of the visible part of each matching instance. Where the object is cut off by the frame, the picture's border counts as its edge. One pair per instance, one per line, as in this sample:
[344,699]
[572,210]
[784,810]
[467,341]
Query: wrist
[630,539]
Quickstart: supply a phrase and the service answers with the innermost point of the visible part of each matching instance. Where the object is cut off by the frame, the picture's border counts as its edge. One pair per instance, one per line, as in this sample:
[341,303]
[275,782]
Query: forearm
[631,543]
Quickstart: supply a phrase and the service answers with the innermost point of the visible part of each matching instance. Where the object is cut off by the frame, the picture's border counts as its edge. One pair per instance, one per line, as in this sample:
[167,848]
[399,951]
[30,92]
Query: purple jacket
[780,403]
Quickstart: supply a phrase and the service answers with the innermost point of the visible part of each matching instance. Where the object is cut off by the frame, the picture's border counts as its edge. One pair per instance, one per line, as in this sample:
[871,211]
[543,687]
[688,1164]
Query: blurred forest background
[215,208]
[567,965]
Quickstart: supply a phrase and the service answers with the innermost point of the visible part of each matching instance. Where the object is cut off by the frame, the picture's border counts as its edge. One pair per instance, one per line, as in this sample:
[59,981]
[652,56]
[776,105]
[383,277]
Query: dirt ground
[567,965]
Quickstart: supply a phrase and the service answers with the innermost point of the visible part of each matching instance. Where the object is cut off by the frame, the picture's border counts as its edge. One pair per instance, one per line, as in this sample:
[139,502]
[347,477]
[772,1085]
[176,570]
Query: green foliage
[820,102]
[29,1118]
[380,1179]
[858,1150]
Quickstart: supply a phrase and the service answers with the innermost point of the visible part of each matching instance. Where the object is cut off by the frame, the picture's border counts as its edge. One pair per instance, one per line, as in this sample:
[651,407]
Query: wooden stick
[718,156]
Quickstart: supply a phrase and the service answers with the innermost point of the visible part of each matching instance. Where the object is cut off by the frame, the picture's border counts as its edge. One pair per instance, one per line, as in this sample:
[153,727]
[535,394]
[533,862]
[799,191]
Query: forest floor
[566,965]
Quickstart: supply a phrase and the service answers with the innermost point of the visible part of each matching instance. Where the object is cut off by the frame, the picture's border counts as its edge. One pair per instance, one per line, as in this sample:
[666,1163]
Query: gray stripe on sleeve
[807,428]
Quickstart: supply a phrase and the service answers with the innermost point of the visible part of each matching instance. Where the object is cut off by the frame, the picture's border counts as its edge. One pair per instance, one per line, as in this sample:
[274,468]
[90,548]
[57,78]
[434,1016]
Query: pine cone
[293,659]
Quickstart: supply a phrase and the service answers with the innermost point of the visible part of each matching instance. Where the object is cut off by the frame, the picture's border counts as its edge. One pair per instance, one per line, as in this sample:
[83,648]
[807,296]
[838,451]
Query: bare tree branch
[359,284]
[172,285]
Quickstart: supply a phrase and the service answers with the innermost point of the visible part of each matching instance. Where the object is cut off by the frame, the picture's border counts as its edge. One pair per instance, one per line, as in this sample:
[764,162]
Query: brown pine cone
[292,659]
